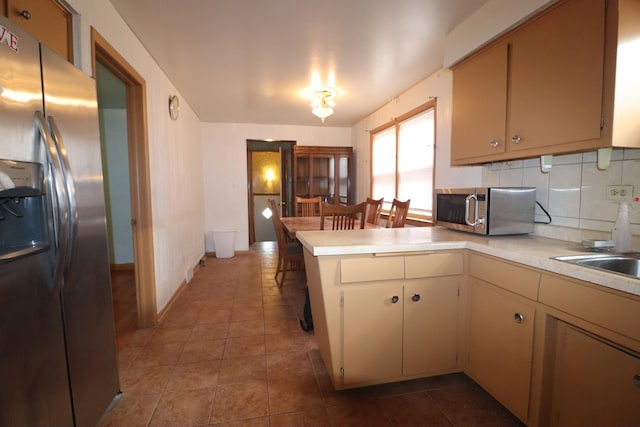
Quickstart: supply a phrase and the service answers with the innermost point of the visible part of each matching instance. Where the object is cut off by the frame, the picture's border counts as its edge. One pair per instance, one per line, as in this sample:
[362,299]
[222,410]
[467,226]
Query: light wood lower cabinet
[500,345]
[372,328]
[400,329]
[430,328]
[388,317]
[596,383]
[552,349]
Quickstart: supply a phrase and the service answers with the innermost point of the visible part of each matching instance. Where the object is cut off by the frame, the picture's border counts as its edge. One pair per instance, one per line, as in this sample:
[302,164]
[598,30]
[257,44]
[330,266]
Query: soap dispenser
[621,233]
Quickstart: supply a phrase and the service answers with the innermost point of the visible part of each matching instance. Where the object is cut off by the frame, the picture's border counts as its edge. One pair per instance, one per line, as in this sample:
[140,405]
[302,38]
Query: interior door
[269,176]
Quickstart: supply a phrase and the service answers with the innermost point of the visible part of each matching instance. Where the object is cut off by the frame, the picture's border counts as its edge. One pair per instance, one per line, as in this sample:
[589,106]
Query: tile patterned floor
[230,352]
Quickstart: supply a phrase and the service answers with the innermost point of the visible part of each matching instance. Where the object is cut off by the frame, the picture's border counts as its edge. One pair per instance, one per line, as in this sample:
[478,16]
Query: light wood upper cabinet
[556,67]
[47,20]
[480,105]
[543,82]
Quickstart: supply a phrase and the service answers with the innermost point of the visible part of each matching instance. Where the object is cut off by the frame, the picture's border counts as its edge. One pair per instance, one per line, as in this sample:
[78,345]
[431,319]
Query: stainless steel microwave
[489,210]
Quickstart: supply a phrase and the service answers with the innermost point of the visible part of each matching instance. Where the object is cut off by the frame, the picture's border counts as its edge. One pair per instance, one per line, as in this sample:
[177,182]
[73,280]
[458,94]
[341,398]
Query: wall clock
[174,107]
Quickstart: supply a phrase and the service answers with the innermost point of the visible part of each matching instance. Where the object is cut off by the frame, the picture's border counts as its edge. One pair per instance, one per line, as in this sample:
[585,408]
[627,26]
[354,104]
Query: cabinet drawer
[368,269]
[606,309]
[516,279]
[433,265]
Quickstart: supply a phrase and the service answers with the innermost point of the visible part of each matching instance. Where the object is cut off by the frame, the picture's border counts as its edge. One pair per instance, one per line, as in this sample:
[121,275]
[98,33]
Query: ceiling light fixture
[322,102]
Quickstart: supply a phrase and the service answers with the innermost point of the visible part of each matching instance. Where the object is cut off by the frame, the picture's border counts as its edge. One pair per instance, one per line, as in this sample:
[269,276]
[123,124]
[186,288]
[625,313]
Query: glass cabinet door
[303,176]
[324,172]
[324,178]
[344,180]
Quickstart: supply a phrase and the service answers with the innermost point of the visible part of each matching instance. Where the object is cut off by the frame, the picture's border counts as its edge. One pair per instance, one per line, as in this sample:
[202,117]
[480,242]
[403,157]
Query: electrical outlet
[620,192]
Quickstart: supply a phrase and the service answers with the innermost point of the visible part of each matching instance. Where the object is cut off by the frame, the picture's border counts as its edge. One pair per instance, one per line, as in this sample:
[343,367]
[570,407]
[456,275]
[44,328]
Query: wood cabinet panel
[479,116]
[392,327]
[430,334]
[601,307]
[500,345]
[371,268]
[433,265]
[47,20]
[553,86]
[596,384]
[372,329]
[514,278]
[556,67]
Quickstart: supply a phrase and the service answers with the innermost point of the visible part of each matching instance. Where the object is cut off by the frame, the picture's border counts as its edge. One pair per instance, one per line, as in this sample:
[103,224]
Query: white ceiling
[246,61]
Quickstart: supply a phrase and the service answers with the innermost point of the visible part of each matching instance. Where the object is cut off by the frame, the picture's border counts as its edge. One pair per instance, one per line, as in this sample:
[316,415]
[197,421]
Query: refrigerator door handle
[60,211]
[69,186]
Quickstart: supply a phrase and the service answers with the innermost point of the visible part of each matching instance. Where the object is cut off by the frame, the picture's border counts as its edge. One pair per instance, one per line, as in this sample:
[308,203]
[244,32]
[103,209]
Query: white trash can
[225,242]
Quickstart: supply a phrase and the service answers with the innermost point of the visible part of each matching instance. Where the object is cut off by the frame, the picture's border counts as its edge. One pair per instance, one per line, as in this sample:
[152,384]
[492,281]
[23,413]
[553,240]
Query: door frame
[139,169]
[263,145]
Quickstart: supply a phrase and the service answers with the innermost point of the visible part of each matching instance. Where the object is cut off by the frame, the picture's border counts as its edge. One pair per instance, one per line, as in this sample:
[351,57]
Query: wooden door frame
[260,145]
[139,169]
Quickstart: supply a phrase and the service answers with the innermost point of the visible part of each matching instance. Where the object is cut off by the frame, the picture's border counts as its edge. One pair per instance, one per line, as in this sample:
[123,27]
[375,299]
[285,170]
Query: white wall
[574,191]
[224,161]
[438,85]
[175,149]
[490,21]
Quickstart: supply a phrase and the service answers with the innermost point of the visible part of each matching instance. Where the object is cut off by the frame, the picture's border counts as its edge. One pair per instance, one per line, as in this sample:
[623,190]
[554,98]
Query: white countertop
[529,250]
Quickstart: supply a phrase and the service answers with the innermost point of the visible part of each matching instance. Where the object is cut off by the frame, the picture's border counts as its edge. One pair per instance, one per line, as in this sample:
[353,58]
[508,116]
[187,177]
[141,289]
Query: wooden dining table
[293,224]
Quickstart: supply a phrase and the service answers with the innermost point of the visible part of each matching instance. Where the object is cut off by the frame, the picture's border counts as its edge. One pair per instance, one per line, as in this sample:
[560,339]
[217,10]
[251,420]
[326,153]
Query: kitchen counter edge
[530,250]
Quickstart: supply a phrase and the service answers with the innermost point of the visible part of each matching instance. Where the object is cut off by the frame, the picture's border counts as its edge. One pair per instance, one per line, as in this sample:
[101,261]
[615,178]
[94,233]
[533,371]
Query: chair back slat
[343,217]
[308,206]
[398,213]
[374,208]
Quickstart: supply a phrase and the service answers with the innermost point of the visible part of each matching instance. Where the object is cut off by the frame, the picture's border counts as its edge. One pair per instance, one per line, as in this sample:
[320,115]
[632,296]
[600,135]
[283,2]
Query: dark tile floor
[230,352]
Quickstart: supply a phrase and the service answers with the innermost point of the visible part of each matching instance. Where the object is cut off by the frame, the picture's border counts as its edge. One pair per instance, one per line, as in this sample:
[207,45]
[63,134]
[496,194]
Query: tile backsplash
[574,191]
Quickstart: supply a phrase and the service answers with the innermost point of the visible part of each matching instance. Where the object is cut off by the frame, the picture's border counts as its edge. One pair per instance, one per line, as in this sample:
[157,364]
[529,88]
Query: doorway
[270,176]
[137,169]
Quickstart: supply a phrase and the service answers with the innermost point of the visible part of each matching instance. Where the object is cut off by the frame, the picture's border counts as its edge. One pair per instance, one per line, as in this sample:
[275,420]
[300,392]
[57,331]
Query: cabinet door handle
[516,139]
[636,380]
[25,14]
[394,299]
[494,144]
[519,318]
[415,297]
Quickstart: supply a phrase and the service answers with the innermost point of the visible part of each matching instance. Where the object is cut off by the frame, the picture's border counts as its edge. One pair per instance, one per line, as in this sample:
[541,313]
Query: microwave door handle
[467,204]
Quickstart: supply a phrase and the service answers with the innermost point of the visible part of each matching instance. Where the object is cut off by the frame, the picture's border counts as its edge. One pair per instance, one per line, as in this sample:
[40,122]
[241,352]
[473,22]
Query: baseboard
[122,267]
[178,291]
[173,299]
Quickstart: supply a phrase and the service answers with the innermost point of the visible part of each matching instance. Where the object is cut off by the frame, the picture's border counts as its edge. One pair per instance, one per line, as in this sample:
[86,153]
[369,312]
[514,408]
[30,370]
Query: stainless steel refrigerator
[58,364]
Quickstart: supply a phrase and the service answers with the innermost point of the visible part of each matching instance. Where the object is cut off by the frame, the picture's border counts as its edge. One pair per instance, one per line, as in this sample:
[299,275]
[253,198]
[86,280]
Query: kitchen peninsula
[397,304]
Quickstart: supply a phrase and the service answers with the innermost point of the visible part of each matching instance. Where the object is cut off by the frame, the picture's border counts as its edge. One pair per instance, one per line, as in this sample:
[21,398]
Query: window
[402,154]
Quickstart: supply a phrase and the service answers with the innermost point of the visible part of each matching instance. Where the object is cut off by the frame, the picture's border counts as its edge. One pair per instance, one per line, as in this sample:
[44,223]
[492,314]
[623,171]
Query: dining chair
[398,213]
[308,206]
[290,256]
[374,207]
[343,217]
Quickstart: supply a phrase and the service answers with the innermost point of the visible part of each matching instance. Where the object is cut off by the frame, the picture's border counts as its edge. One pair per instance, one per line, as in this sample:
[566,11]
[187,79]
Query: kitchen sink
[626,263]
